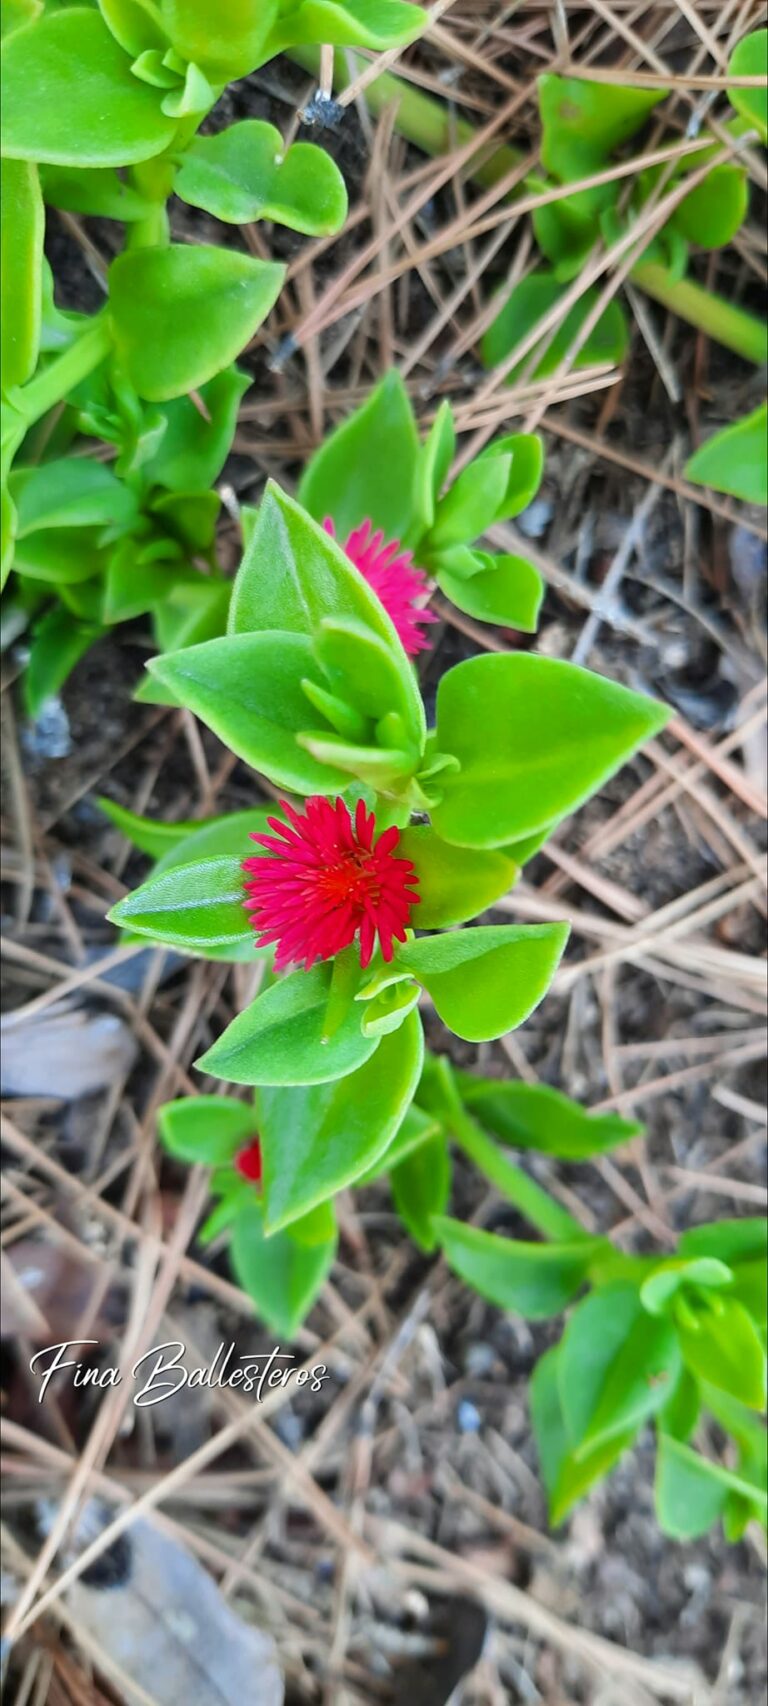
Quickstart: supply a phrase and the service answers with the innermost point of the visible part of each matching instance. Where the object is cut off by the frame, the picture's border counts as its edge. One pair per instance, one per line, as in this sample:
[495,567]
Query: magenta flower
[392,574]
[325,882]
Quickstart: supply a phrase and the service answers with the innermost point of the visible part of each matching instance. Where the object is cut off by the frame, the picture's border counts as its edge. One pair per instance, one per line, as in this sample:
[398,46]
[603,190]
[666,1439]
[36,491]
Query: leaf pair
[654,1339]
[735,460]
[114,548]
[319,1138]
[110,87]
[487,980]
[483,981]
[182,313]
[315,1139]
[193,899]
[245,173]
[583,123]
[310,685]
[282,1274]
[555,734]
[374,468]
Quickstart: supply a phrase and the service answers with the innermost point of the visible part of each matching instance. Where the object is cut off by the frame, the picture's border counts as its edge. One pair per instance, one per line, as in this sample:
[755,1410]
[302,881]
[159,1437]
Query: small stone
[323,112]
[49,736]
[479,1360]
[468,1419]
[535,520]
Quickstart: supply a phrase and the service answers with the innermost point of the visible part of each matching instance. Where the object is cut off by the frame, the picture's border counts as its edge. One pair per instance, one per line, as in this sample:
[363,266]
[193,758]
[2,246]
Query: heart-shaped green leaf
[421,1186]
[692,1491]
[22,226]
[183,312]
[365,469]
[282,1274]
[281,1038]
[227,42]
[557,733]
[583,122]
[247,688]
[69,97]
[534,1116]
[245,173]
[189,906]
[530,300]
[713,212]
[532,1280]
[206,1129]
[750,59]
[317,1140]
[454,885]
[735,460]
[506,589]
[487,980]
[59,640]
[617,1366]
[722,1346]
[566,1478]
[71,492]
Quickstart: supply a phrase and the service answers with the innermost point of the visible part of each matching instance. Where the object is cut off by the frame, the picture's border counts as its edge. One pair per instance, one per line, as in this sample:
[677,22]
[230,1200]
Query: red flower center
[392,574]
[325,882]
[248,1162]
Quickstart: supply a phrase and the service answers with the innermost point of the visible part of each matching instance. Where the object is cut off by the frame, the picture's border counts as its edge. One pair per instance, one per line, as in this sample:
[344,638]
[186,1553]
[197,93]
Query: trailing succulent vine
[354,898]
[358,894]
[102,108]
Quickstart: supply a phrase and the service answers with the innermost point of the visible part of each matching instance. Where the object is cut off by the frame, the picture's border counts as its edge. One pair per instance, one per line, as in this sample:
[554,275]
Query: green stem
[428,124]
[153,231]
[68,369]
[518,1187]
[154,180]
[729,325]
[345,978]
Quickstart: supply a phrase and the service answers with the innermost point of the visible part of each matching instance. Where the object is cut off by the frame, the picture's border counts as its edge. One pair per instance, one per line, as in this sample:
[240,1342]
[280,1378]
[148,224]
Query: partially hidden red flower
[248,1162]
[325,882]
[392,574]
